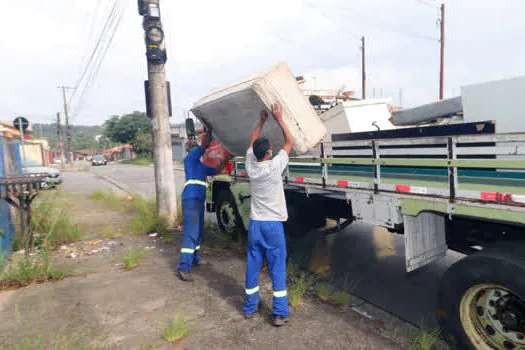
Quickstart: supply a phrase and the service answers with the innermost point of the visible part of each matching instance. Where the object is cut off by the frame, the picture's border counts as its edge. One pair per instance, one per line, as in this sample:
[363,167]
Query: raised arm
[288,137]
[223,163]
[257,131]
[206,140]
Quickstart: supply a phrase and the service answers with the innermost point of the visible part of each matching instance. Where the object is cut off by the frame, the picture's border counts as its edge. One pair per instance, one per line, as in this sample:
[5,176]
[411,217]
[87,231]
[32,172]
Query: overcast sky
[210,42]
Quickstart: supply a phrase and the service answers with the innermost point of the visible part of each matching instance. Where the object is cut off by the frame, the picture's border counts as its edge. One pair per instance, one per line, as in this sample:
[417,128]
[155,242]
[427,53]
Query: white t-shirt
[266,182]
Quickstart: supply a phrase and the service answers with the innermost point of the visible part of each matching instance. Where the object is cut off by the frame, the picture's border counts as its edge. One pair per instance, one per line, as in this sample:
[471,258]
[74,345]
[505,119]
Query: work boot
[185,276]
[279,320]
[249,316]
[201,262]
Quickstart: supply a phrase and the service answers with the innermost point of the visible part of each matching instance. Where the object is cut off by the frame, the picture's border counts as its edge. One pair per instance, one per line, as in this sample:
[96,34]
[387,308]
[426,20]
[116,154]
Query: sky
[46,44]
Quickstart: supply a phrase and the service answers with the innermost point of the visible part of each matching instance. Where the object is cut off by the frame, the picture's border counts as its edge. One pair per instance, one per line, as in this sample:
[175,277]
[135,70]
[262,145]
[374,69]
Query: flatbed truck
[460,192]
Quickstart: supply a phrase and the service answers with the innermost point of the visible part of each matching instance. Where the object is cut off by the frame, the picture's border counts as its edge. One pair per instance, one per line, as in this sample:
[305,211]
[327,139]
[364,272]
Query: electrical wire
[356,36]
[95,50]
[391,26]
[100,59]
[426,3]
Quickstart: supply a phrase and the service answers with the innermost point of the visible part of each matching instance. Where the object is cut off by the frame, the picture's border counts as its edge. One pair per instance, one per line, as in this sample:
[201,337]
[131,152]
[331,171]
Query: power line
[356,37]
[100,60]
[391,27]
[426,3]
[95,50]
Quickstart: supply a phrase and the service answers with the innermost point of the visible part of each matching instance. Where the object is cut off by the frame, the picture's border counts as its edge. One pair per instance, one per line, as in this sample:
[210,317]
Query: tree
[143,144]
[126,128]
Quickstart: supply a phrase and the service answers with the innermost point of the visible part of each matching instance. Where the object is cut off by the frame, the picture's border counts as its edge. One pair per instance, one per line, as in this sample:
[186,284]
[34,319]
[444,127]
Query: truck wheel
[482,299]
[228,217]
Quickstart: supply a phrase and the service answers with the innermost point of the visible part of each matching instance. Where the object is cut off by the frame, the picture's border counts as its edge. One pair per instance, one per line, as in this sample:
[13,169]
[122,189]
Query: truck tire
[228,217]
[482,299]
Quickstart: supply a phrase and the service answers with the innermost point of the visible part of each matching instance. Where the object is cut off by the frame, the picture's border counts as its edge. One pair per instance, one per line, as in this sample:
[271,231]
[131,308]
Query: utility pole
[60,141]
[442,65]
[401,97]
[157,94]
[68,130]
[363,66]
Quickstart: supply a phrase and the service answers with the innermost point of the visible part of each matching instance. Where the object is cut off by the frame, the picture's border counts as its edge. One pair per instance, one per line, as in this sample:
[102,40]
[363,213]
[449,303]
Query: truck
[458,187]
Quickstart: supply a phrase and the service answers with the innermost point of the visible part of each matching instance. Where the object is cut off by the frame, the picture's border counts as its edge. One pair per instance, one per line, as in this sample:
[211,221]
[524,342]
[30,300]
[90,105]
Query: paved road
[367,261]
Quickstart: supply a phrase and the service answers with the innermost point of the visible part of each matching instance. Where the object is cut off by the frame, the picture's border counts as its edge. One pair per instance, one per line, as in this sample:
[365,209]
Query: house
[123,152]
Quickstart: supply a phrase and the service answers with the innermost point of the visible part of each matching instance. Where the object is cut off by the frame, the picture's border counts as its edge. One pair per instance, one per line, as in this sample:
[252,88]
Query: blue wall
[10,165]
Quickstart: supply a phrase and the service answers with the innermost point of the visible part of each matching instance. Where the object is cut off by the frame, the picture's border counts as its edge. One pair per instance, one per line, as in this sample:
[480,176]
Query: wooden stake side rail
[486,168]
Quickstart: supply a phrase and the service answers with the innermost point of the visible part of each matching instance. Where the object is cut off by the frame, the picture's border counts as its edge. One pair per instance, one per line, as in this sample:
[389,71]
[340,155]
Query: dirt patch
[105,306]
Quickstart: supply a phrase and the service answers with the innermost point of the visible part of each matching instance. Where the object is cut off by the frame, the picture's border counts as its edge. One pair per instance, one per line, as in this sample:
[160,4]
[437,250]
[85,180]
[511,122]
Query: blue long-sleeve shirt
[196,170]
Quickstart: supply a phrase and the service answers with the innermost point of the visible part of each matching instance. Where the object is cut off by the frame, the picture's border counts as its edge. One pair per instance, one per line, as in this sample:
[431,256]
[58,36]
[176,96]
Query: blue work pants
[266,240]
[193,225]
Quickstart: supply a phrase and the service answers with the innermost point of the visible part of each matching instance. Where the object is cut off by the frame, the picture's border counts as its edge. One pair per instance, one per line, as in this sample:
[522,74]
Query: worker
[193,197]
[266,238]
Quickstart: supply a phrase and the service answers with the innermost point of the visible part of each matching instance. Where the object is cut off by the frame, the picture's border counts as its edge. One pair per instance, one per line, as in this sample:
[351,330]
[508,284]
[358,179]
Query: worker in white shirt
[268,212]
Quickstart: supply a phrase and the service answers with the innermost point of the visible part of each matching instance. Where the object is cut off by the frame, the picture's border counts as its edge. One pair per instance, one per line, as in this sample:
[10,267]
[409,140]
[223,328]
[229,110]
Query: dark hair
[260,147]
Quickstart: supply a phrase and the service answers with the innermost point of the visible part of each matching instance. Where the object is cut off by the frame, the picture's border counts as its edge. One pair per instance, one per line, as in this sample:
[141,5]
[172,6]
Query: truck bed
[477,167]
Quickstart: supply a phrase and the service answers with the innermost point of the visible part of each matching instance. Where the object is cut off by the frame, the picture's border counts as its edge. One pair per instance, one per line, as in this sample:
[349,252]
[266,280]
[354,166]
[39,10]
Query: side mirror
[190,128]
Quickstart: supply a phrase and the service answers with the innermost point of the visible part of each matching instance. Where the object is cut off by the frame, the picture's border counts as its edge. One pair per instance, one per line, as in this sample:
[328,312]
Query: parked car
[98,160]
[53,176]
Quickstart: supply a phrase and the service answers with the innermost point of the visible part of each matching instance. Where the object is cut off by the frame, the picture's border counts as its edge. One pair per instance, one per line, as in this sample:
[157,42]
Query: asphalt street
[367,261]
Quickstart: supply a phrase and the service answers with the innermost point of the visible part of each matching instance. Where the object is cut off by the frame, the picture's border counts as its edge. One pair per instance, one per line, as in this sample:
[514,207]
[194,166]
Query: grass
[112,199]
[144,211]
[291,270]
[298,287]
[31,337]
[133,257]
[176,329]
[53,221]
[323,291]
[341,298]
[29,269]
[145,218]
[425,339]
[140,160]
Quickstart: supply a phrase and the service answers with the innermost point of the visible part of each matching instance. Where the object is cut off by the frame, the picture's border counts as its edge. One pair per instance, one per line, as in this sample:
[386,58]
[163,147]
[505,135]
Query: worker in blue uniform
[266,238]
[193,198]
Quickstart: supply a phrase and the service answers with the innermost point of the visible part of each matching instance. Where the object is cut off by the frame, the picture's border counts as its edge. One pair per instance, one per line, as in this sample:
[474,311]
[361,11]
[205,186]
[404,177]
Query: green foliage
[143,159]
[126,128]
[425,339]
[28,269]
[323,291]
[341,298]
[176,329]
[133,257]
[55,223]
[298,287]
[83,137]
[143,144]
[145,218]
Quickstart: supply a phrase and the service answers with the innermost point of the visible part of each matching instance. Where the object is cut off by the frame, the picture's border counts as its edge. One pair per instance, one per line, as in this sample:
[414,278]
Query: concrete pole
[60,142]
[442,54]
[363,67]
[68,130]
[162,153]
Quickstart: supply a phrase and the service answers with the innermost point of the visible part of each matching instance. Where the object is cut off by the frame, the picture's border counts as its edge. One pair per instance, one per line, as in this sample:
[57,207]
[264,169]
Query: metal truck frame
[465,193]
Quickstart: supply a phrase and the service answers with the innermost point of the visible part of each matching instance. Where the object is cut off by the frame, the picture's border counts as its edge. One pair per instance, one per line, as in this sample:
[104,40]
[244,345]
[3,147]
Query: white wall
[501,101]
